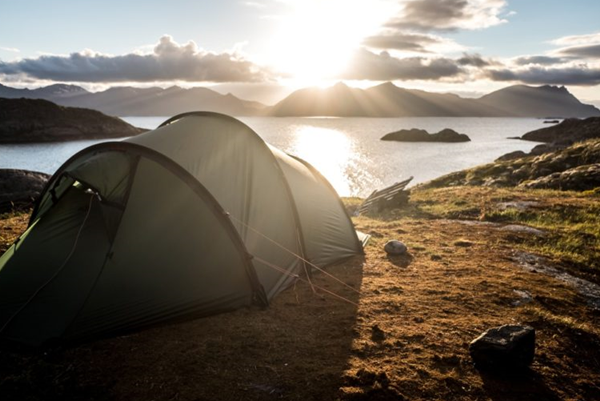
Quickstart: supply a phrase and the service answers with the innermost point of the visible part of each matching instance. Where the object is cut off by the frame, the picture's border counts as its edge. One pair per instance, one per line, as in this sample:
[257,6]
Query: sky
[264,49]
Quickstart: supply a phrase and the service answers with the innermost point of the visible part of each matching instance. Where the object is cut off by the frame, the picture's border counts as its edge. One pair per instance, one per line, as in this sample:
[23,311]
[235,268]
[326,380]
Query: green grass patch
[571,220]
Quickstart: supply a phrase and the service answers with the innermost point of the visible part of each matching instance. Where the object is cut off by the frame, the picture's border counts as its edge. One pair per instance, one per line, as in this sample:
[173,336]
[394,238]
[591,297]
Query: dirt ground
[404,336]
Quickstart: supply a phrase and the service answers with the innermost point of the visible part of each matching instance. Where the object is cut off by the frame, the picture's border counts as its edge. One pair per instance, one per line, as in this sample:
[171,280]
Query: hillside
[576,167]
[388,100]
[130,101]
[35,120]
[542,101]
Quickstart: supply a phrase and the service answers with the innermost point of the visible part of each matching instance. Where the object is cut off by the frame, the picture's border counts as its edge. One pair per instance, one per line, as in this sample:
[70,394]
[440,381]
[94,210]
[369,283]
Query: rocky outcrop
[35,120]
[575,179]
[573,168]
[420,135]
[567,132]
[19,188]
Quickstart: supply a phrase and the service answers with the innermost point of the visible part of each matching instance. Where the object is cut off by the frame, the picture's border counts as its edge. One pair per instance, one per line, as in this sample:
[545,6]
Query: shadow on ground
[296,349]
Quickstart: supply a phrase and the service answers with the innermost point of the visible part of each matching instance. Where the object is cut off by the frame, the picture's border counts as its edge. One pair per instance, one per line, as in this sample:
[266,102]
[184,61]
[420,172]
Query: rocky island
[420,135]
[36,120]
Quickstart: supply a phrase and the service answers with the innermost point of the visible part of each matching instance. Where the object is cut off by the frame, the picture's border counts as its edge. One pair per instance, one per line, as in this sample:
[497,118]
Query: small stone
[463,243]
[506,348]
[377,334]
[395,247]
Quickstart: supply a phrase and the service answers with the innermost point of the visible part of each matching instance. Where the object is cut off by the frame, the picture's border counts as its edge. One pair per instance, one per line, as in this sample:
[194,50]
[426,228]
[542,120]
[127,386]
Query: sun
[316,41]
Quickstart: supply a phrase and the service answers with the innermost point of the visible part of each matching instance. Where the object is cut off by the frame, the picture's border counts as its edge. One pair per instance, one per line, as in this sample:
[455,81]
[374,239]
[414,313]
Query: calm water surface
[346,150]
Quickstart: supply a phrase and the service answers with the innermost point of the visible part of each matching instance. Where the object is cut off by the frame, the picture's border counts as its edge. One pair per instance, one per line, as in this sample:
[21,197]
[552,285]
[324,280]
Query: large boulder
[20,188]
[506,348]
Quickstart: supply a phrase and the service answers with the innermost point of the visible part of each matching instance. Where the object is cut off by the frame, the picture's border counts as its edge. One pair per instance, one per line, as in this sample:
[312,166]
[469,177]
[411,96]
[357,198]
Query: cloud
[474,60]
[367,65]
[168,61]
[577,39]
[449,15]
[10,49]
[590,51]
[536,75]
[401,41]
[411,42]
[578,46]
[541,60]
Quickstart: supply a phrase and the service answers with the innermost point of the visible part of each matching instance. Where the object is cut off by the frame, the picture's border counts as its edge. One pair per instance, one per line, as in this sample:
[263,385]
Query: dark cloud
[402,41]
[169,61]
[474,60]
[586,51]
[383,67]
[552,76]
[541,60]
[448,15]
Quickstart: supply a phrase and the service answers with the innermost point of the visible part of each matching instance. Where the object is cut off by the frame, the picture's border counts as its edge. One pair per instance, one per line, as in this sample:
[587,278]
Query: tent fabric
[167,225]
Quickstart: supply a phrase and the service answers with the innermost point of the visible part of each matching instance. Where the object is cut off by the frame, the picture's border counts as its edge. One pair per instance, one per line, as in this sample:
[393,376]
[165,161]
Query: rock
[395,247]
[546,148]
[517,228]
[506,348]
[420,135]
[517,154]
[19,188]
[579,178]
[551,121]
[524,297]
[377,334]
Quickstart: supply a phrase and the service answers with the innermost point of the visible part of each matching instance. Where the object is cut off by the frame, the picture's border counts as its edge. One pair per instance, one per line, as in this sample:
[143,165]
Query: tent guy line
[297,276]
[294,254]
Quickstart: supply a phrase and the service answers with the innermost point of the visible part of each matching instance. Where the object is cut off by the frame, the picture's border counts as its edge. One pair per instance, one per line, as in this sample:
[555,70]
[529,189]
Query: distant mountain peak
[340,84]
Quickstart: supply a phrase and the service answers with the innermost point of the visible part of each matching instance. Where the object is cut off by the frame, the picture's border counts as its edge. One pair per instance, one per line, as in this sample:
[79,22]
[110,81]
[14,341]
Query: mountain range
[388,100]
[385,100]
[130,101]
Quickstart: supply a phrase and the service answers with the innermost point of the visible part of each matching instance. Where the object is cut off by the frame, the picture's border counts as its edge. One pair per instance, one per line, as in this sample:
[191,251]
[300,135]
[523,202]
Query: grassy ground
[405,336]
[571,220]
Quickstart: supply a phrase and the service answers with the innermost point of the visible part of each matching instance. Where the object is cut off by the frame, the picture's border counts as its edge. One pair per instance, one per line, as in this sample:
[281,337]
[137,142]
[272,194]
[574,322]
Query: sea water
[347,151]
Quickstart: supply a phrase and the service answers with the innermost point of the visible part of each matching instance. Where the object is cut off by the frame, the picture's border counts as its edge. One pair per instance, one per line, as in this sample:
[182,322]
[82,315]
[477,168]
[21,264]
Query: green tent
[197,217]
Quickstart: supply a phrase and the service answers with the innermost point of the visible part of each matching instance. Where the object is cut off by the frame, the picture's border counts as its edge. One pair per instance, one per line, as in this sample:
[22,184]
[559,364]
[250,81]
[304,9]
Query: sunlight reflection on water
[328,150]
